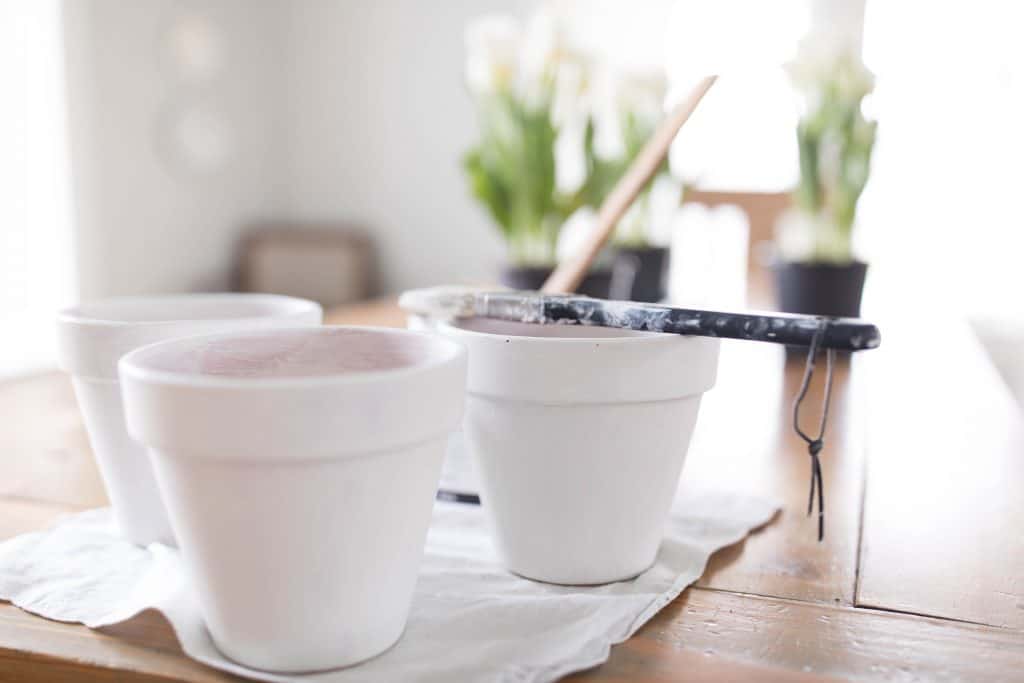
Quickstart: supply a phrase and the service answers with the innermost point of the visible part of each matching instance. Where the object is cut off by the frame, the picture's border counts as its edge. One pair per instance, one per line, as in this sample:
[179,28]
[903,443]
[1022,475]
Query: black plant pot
[649,269]
[820,288]
[597,283]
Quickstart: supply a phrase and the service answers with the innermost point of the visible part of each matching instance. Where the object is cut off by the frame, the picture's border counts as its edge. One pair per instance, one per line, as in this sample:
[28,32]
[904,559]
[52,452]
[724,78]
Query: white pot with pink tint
[299,468]
[579,435]
[91,339]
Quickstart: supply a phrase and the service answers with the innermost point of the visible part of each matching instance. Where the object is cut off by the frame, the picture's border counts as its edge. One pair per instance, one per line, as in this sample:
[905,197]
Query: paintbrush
[842,334]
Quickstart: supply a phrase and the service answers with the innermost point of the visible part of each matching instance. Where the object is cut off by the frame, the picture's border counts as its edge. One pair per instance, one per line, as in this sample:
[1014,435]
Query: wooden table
[921,575]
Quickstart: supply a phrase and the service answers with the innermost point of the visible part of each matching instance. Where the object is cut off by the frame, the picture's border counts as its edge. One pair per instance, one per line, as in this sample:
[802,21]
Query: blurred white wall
[378,118]
[175,130]
[188,119]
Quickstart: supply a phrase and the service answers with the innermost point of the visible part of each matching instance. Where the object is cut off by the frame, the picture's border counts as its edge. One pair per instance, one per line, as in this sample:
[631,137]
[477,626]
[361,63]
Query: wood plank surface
[744,442]
[652,662]
[943,527]
[704,635]
[936,480]
[142,649]
[382,312]
[21,516]
[814,639]
[44,450]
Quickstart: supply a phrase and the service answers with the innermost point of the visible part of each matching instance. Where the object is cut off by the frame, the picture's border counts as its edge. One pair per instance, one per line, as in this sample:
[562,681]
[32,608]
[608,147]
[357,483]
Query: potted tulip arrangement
[512,76]
[556,134]
[818,272]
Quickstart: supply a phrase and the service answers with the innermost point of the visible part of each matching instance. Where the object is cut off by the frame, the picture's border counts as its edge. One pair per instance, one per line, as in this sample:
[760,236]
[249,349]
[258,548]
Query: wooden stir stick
[570,273]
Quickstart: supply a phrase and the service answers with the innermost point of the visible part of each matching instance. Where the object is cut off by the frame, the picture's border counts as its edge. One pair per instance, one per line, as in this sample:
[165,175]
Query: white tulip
[794,235]
[608,138]
[493,44]
[546,47]
[666,197]
[547,38]
[618,93]
[570,156]
[575,232]
[826,57]
[642,92]
[570,104]
[541,42]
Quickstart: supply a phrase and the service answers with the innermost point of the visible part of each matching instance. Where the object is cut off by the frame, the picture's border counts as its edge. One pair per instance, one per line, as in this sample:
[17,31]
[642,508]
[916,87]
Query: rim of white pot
[131,364]
[592,365]
[104,312]
[92,336]
[595,333]
[339,412]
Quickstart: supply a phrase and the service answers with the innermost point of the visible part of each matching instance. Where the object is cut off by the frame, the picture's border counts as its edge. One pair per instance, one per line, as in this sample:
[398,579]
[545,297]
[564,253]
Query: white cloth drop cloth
[470,619]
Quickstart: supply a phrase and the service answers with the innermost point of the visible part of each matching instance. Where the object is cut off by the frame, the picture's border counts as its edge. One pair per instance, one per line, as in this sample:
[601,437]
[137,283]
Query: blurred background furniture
[328,264]
[762,210]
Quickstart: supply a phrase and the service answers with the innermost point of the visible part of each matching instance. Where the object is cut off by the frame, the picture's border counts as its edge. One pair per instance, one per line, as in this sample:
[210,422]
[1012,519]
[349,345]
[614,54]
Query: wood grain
[944,511]
[653,663]
[141,649]
[382,312]
[22,516]
[704,635]
[818,640]
[44,450]
[744,442]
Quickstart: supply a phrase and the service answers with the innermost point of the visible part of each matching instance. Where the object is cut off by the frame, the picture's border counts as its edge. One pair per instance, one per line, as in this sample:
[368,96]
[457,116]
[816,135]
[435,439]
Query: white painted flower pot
[299,468]
[92,338]
[579,434]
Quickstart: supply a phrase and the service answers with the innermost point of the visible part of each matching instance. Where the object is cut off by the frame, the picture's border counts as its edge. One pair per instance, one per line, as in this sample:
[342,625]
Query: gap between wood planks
[860,519]
[836,603]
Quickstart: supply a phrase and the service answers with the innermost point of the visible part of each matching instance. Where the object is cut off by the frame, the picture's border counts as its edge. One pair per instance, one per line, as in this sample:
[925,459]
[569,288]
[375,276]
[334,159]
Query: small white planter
[91,339]
[579,434]
[299,468]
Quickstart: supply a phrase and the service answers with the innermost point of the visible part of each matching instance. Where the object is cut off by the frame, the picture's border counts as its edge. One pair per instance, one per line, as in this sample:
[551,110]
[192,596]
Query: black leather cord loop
[817,443]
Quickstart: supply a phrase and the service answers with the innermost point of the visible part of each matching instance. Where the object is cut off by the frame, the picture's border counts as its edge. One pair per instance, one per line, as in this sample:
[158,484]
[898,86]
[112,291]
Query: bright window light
[36,275]
[741,138]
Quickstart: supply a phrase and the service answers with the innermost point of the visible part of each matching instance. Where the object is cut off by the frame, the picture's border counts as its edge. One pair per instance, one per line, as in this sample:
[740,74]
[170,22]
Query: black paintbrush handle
[844,334]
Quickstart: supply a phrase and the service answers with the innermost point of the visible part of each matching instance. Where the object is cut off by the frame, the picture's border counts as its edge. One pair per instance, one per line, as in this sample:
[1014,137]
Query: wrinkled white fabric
[470,620]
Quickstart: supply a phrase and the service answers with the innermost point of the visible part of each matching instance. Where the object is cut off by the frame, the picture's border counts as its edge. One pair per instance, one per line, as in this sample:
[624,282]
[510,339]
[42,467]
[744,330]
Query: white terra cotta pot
[92,337]
[579,434]
[299,468]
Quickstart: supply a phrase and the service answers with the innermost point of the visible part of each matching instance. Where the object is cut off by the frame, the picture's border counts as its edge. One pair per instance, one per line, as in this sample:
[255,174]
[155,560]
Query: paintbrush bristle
[445,302]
